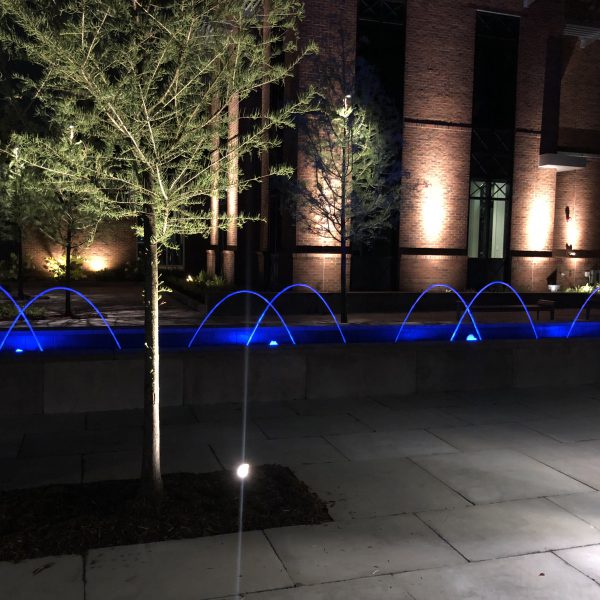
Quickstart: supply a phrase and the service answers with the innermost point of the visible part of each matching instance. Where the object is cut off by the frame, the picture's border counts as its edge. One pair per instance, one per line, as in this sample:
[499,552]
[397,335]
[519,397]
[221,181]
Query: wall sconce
[569,247]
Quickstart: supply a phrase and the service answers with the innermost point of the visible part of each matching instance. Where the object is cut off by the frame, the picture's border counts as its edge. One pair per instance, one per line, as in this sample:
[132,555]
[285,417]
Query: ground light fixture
[243,471]
[273,343]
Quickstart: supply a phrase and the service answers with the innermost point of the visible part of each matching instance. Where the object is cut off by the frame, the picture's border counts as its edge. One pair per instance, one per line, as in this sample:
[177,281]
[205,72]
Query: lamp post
[347,111]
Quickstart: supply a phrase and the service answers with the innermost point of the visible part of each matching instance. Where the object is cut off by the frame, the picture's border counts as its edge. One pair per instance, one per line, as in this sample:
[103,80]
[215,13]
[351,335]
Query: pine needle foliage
[147,84]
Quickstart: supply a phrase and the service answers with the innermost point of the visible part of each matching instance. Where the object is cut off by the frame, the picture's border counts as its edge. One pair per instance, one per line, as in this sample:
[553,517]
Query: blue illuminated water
[177,338]
[21,341]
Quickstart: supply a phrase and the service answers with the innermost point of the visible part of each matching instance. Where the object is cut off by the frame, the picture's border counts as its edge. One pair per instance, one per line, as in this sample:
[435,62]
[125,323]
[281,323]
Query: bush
[57,267]
[9,267]
[586,288]
[8,312]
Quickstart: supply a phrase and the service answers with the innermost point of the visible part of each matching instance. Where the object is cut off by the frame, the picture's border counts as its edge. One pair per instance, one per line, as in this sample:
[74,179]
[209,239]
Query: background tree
[353,196]
[20,202]
[150,84]
[68,196]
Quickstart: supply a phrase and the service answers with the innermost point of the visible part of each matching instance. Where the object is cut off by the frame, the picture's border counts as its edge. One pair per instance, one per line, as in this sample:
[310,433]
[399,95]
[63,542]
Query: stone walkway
[121,304]
[481,496]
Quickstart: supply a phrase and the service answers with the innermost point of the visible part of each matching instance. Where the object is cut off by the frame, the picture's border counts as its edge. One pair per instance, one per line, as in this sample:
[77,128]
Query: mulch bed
[70,519]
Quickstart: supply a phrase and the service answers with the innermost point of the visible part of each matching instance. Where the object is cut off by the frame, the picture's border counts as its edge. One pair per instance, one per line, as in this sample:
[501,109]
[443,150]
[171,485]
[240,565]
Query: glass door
[488,219]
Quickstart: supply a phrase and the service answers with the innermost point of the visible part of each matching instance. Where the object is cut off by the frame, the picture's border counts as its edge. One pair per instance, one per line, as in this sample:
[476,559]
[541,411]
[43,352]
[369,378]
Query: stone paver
[533,577]
[67,443]
[288,452]
[486,437]
[520,445]
[309,426]
[510,528]
[184,570]
[385,419]
[205,433]
[48,578]
[498,475]
[580,461]
[377,487]
[127,464]
[570,428]
[134,418]
[389,444]
[337,551]
[586,506]
[332,406]
[233,412]
[41,423]
[19,473]
[484,413]
[371,588]
[586,560]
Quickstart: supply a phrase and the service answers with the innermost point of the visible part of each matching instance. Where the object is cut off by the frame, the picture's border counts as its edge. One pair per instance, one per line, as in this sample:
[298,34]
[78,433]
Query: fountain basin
[94,339]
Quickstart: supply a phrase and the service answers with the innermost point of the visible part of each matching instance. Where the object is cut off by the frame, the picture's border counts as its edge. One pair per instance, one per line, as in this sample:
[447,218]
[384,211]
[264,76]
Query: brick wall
[321,271]
[332,71]
[532,222]
[419,271]
[580,97]
[113,246]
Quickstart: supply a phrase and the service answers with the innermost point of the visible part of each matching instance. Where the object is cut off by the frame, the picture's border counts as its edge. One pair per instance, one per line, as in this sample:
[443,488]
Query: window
[487,218]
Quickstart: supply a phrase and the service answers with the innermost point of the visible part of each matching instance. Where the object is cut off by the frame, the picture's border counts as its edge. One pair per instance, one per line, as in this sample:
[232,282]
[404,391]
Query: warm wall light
[97,263]
[539,224]
[571,231]
[433,211]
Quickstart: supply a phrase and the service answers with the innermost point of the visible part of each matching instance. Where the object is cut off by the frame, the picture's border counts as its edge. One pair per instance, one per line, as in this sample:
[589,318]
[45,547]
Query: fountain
[36,298]
[591,295]
[285,290]
[426,291]
[238,293]
[485,287]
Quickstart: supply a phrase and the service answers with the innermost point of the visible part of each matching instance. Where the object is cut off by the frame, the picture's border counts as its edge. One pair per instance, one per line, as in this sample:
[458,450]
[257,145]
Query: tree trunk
[20,292]
[68,275]
[343,292]
[265,166]
[152,486]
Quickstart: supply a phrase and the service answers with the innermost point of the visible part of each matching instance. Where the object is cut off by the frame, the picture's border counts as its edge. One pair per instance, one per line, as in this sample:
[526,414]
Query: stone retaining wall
[46,383]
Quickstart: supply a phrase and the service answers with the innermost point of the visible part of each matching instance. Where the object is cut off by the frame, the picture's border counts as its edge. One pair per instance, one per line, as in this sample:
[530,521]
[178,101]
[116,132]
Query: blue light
[19,350]
[471,338]
[483,289]
[273,343]
[457,294]
[47,291]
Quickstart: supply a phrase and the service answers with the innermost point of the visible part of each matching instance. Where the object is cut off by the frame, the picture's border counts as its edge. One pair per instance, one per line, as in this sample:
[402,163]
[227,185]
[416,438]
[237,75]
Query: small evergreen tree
[19,206]
[66,170]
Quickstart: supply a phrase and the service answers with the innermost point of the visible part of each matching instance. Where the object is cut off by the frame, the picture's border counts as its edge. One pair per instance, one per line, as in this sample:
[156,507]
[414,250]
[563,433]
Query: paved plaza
[455,496]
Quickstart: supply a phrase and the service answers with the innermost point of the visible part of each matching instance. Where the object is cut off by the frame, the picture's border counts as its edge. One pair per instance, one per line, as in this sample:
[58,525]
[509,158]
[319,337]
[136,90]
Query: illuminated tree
[65,178]
[353,193]
[19,206]
[149,86]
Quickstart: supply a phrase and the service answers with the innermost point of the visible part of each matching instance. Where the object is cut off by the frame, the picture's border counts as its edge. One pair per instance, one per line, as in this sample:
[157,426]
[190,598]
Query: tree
[68,197]
[353,195]
[19,206]
[148,86]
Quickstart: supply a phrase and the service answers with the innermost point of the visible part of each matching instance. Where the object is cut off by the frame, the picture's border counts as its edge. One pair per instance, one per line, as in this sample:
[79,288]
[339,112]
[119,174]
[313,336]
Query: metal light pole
[343,249]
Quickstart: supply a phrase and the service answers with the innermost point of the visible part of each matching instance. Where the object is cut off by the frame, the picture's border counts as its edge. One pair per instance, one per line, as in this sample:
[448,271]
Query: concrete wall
[53,384]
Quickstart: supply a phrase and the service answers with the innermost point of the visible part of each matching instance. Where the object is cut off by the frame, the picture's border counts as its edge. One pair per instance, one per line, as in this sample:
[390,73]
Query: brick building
[500,107]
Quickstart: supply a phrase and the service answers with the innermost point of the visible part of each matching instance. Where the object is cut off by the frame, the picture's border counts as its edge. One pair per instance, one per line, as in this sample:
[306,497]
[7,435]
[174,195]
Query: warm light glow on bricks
[539,223]
[433,211]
